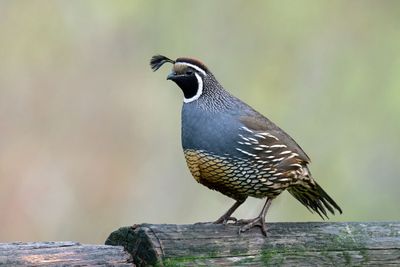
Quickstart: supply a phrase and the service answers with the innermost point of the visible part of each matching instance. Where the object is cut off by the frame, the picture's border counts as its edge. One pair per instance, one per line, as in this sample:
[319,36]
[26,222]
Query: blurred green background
[90,137]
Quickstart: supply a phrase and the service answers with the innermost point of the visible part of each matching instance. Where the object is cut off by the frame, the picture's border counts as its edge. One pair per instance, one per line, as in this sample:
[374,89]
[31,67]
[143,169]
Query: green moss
[238,250]
[364,254]
[328,257]
[183,261]
[345,240]
[347,258]
[175,262]
[213,254]
[272,257]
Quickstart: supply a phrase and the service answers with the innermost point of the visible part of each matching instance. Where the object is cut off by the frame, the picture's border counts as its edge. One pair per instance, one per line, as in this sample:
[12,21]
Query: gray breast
[211,131]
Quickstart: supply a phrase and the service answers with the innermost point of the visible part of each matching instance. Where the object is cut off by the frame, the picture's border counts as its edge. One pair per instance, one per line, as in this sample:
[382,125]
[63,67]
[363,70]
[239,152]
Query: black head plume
[158,60]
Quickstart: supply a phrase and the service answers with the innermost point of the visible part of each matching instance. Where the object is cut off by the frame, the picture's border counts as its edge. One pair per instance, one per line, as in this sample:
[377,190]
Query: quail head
[231,148]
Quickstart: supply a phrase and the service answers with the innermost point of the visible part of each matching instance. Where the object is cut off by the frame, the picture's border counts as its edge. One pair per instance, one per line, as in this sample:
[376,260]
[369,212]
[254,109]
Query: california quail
[231,148]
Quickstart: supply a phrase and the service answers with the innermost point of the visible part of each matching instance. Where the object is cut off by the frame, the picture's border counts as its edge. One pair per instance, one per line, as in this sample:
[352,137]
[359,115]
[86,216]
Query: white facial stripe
[199,90]
[194,67]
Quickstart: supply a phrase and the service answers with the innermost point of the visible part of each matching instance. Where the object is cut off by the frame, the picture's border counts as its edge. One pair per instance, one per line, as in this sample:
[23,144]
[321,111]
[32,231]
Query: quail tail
[315,199]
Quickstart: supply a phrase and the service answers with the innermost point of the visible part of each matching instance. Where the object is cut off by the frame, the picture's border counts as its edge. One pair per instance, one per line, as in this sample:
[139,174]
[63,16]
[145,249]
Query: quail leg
[227,215]
[258,221]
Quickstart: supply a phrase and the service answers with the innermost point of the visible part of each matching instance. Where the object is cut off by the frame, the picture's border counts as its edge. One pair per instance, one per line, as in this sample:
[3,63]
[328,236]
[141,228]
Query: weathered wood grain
[62,254]
[287,244]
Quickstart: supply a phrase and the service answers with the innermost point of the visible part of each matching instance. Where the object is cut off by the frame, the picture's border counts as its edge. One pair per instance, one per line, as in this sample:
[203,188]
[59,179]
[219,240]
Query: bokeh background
[90,137]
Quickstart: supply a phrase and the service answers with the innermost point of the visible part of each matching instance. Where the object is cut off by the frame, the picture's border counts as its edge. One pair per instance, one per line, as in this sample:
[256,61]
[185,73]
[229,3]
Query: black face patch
[188,84]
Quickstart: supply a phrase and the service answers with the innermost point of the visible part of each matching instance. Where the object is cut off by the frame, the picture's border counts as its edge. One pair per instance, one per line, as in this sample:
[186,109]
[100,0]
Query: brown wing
[271,146]
[285,161]
[260,124]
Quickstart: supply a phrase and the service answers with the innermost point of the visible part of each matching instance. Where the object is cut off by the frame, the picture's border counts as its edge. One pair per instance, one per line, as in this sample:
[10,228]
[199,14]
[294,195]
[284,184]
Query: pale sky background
[90,137]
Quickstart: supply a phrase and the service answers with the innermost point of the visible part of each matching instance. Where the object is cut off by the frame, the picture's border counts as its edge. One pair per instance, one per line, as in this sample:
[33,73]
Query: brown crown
[193,61]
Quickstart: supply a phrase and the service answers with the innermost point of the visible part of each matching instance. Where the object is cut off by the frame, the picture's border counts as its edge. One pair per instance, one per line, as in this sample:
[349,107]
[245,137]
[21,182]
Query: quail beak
[171,76]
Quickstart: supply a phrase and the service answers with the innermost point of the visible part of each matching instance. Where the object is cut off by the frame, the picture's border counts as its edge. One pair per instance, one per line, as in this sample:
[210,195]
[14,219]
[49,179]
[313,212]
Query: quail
[231,148]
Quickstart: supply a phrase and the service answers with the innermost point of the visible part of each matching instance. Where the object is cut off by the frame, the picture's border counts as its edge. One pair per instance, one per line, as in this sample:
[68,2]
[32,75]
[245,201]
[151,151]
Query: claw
[226,217]
[259,221]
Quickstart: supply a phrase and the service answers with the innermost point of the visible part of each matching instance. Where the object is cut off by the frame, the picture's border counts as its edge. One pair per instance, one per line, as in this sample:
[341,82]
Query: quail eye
[189,72]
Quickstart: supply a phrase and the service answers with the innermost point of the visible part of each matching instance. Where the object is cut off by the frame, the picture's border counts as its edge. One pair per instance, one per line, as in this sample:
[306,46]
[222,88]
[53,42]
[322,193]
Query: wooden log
[62,254]
[287,244]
